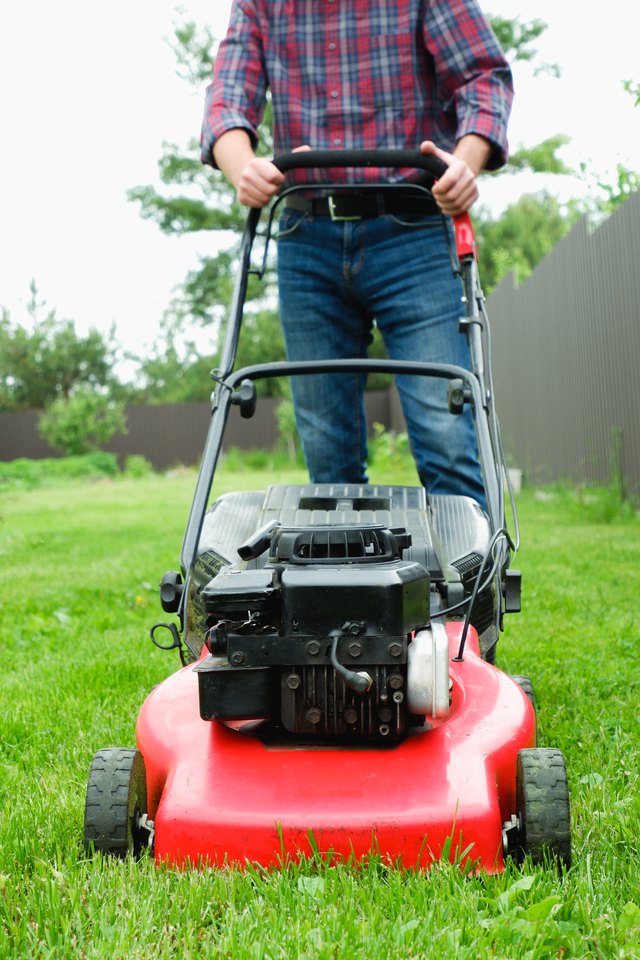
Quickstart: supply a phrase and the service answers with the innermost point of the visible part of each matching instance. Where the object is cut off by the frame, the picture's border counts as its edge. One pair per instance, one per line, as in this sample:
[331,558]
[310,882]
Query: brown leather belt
[362,205]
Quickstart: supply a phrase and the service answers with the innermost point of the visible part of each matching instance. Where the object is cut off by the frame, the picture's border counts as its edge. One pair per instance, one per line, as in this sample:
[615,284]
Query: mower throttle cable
[503,532]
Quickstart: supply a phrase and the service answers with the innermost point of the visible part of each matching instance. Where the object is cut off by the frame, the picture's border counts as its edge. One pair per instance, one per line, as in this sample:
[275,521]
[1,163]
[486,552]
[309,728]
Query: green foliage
[262,342]
[610,504]
[137,466]
[390,456]
[609,191]
[517,39]
[540,158]
[237,461]
[174,370]
[613,192]
[192,48]
[25,474]
[633,89]
[286,419]
[82,422]
[44,359]
[525,233]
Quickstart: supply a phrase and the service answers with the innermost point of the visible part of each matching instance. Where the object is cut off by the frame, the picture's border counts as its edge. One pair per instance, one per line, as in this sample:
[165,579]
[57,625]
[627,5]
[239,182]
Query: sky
[90,93]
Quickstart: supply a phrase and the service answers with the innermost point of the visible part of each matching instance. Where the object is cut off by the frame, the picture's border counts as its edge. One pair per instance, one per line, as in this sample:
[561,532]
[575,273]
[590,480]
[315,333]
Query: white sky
[89,93]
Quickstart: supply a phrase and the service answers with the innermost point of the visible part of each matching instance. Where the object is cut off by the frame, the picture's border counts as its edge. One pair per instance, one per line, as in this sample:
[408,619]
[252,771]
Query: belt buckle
[336,216]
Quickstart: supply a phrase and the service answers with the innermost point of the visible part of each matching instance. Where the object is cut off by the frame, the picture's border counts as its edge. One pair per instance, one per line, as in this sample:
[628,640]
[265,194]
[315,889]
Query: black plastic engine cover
[392,599]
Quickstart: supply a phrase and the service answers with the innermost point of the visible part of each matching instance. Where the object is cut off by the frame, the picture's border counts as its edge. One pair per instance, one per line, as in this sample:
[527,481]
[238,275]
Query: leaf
[524,883]
[593,779]
[542,910]
[407,927]
[313,886]
[629,922]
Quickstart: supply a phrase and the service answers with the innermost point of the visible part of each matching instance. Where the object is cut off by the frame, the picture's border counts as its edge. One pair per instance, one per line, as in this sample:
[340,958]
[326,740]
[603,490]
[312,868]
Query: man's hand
[457,189]
[259,180]
[256,179]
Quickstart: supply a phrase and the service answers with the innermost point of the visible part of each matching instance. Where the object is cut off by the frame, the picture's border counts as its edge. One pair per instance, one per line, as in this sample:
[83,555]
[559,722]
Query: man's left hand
[457,189]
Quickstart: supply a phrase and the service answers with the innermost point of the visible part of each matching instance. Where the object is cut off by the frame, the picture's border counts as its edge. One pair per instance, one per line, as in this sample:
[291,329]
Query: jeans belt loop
[335,216]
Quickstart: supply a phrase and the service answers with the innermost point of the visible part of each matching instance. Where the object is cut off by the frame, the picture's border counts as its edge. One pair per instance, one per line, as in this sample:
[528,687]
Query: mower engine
[330,637]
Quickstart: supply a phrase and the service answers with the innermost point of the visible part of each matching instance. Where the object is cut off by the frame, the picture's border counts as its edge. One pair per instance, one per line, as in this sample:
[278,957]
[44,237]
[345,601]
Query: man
[350,74]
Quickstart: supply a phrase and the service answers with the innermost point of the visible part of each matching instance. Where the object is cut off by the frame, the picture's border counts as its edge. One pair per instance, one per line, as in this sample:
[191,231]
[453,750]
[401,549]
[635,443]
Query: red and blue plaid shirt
[353,74]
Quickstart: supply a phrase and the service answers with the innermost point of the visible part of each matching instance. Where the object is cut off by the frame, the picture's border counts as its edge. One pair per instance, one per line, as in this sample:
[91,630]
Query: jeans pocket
[416,221]
[289,222]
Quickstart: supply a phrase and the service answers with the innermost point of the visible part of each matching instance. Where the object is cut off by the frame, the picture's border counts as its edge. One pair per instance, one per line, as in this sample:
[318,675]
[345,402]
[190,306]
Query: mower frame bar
[223,399]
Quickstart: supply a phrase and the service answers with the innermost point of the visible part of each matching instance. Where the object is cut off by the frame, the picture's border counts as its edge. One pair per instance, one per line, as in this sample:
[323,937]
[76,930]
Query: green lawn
[80,563]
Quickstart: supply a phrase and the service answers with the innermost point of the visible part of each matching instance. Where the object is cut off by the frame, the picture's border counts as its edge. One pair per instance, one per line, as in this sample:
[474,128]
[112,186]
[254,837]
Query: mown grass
[79,566]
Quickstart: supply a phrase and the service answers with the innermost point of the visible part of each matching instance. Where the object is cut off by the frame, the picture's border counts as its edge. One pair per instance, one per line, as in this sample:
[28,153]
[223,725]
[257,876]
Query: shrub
[137,466]
[23,473]
[82,422]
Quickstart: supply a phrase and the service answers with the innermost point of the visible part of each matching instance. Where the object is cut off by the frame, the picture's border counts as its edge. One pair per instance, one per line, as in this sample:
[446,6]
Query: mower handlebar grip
[318,159]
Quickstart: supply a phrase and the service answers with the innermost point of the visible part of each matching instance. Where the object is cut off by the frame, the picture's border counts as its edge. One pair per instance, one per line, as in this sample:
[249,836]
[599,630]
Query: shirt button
[334,94]
[337,141]
[332,46]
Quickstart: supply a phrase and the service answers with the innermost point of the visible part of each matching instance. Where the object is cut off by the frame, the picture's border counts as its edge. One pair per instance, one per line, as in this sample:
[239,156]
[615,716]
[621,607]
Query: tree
[46,358]
[611,192]
[82,422]
[174,371]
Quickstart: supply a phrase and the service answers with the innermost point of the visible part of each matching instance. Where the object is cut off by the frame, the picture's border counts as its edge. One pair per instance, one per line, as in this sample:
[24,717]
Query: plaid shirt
[350,74]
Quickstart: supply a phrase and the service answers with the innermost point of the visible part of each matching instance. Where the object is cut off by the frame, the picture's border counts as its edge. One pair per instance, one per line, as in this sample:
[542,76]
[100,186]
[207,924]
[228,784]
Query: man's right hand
[256,179]
[258,182]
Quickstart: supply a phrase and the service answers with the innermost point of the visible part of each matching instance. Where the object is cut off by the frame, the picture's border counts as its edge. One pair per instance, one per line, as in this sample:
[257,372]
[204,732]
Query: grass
[80,564]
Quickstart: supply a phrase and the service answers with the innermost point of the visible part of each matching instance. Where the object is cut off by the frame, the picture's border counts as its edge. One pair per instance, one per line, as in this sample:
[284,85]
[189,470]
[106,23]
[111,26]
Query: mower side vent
[467,564]
[210,563]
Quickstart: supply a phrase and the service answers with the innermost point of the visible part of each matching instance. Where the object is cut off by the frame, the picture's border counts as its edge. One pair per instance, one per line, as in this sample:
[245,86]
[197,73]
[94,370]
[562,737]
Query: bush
[137,466]
[236,460]
[387,449]
[23,473]
[82,422]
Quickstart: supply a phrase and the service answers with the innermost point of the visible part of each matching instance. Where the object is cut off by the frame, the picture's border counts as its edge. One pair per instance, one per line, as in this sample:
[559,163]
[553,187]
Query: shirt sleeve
[475,85]
[236,97]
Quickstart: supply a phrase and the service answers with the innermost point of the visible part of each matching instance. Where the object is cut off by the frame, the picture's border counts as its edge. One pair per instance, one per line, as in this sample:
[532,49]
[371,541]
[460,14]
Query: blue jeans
[337,279]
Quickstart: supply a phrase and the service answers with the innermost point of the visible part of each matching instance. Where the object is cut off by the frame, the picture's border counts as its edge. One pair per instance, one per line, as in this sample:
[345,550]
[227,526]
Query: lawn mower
[338,695]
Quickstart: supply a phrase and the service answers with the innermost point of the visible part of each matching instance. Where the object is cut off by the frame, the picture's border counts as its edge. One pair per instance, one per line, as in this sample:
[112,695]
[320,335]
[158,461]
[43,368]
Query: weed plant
[80,565]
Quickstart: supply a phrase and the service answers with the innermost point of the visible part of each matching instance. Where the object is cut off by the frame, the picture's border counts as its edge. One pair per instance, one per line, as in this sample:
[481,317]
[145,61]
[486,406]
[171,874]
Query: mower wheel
[525,684]
[542,801]
[527,687]
[115,813]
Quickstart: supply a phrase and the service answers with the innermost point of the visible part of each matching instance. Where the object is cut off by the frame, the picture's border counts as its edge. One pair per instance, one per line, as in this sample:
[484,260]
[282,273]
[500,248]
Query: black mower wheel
[115,810]
[542,802]
[527,687]
[525,684]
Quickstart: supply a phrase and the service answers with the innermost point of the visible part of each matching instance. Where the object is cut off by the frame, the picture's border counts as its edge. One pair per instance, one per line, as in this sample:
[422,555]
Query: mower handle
[430,164]
[309,159]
